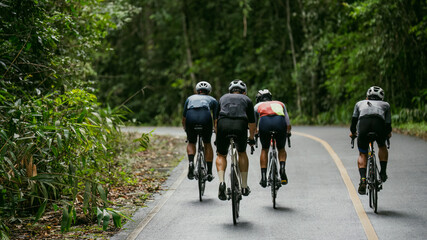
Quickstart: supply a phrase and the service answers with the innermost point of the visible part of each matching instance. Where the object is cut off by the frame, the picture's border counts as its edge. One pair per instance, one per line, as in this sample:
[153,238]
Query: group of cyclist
[235,113]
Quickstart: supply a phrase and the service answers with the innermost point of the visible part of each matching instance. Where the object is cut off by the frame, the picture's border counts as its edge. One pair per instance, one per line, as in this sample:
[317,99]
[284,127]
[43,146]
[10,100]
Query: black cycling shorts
[228,126]
[370,124]
[272,123]
[198,116]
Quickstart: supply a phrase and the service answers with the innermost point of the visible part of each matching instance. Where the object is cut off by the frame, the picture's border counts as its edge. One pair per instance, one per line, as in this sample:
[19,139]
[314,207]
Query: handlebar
[289,141]
[388,143]
[352,141]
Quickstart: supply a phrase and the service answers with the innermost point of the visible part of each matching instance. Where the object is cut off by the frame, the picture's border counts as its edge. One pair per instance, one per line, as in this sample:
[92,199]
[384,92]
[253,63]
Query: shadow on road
[278,209]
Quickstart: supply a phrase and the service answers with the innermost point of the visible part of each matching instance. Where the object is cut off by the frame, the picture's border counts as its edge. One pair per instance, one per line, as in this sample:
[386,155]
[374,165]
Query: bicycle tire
[273,182]
[375,188]
[234,195]
[200,176]
[370,181]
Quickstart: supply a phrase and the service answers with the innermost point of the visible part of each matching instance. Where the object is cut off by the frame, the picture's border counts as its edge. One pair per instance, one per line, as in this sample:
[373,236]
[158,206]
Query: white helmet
[236,83]
[203,86]
[263,95]
[375,93]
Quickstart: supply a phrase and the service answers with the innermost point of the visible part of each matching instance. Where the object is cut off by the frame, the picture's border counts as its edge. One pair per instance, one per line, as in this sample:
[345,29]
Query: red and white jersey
[272,108]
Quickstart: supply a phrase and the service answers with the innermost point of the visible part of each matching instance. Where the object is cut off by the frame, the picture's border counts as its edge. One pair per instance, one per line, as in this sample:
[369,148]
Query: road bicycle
[273,167]
[234,191]
[373,181]
[200,169]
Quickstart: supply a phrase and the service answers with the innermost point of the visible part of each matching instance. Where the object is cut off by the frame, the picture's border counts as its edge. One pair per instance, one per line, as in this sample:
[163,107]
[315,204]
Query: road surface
[320,201]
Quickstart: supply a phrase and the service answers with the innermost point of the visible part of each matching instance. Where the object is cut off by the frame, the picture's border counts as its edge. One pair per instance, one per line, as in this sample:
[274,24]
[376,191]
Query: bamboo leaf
[105,220]
[41,210]
[102,193]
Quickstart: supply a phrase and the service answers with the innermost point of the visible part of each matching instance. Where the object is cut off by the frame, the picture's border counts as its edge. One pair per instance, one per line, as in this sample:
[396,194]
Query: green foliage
[56,141]
[341,49]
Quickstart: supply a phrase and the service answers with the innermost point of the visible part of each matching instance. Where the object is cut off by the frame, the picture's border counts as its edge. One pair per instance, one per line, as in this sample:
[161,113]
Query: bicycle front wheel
[235,201]
[375,189]
[273,184]
[200,175]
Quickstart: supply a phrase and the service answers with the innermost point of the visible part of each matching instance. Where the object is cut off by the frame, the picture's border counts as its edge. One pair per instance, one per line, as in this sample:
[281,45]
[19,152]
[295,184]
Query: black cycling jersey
[236,106]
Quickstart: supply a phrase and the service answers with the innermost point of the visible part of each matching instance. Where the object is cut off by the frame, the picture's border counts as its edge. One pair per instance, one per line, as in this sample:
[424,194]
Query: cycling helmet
[263,95]
[375,93]
[203,86]
[237,84]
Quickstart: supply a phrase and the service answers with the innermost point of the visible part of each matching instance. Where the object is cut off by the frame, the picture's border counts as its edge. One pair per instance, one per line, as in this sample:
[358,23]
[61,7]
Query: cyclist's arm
[184,114]
[252,128]
[183,122]
[354,121]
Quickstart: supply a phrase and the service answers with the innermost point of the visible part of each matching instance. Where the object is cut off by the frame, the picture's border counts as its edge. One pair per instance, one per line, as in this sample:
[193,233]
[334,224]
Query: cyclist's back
[371,115]
[272,116]
[235,115]
[197,112]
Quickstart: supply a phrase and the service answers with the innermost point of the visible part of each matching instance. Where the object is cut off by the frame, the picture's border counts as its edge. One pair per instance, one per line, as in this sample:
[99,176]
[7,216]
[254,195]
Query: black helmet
[263,95]
[375,93]
[237,84]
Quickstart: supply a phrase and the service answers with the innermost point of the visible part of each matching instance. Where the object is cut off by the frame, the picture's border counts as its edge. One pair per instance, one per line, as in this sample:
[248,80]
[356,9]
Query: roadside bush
[55,150]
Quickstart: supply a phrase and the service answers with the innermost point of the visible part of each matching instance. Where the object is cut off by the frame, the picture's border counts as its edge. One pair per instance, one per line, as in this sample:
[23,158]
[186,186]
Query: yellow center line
[366,223]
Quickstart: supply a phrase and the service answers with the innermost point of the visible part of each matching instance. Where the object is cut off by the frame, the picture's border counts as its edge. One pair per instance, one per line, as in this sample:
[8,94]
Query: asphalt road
[320,201]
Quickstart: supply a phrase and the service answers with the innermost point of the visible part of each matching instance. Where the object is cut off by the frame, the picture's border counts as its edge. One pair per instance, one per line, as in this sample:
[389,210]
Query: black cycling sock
[383,166]
[362,172]
[263,172]
[191,158]
[209,167]
[283,164]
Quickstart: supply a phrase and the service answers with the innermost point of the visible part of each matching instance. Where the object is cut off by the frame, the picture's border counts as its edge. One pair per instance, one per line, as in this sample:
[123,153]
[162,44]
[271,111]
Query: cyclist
[272,116]
[371,115]
[235,115]
[197,111]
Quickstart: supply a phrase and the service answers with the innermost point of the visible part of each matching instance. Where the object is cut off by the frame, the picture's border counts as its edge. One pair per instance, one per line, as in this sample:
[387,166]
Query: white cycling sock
[221,176]
[244,179]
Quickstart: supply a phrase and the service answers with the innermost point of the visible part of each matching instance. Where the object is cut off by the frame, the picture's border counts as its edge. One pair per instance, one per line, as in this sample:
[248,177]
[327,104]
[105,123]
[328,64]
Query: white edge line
[134,234]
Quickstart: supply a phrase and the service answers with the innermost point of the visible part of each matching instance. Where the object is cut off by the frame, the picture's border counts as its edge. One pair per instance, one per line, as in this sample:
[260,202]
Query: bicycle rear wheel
[370,183]
[235,201]
[375,188]
[200,175]
[273,184]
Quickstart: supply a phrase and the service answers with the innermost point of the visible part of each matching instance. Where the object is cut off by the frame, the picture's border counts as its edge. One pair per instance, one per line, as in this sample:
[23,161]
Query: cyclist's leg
[264,137]
[363,144]
[240,128]
[382,149]
[191,119]
[222,144]
[206,120]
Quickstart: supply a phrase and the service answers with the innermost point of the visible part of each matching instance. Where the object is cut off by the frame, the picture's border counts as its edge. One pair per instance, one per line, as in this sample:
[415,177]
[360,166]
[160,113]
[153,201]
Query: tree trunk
[294,59]
[187,43]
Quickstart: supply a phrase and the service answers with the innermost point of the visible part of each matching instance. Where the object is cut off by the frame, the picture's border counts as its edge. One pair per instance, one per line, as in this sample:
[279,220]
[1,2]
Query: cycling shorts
[370,124]
[228,126]
[272,123]
[198,116]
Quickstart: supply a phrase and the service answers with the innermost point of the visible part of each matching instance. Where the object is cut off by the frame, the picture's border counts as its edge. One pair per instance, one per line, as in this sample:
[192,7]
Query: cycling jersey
[273,117]
[371,116]
[378,108]
[236,106]
[201,101]
[234,113]
[272,108]
[197,111]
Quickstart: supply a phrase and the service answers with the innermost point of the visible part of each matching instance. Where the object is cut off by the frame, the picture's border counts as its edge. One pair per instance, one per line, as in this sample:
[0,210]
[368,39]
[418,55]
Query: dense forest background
[318,56]
[72,70]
